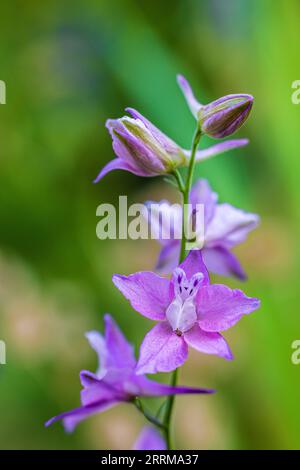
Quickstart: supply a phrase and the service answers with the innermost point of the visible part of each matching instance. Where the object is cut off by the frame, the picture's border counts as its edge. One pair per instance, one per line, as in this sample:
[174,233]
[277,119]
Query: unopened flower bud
[141,148]
[225,116]
[221,117]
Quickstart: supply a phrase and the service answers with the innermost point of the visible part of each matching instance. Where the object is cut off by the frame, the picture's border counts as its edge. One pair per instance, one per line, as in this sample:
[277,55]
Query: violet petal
[208,343]
[147,292]
[220,260]
[220,307]
[162,350]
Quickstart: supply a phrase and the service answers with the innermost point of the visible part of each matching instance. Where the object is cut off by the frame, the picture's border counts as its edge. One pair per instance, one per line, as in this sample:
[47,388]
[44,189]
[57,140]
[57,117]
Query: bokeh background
[68,66]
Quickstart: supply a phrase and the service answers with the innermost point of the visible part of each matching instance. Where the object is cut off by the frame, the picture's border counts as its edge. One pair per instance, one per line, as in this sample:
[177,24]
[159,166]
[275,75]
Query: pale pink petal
[147,292]
[208,343]
[162,350]
[220,307]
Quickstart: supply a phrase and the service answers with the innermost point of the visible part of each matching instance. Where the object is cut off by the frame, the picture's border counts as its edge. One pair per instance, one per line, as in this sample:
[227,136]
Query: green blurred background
[68,66]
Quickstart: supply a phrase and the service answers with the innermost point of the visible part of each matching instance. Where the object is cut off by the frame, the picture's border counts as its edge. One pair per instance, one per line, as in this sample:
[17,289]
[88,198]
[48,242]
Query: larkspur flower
[142,149]
[225,226]
[221,117]
[190,312]
[150,439]
[115,381]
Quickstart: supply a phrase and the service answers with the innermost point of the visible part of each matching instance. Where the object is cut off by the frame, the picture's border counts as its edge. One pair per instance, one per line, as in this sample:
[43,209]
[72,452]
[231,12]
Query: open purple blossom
[221,117]
[142,149]
[190,312]
[225,226]
[150,439]
[116,380]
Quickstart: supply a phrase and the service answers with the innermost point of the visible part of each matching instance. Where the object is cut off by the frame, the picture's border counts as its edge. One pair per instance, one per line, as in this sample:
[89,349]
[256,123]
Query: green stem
[179,180]
[185,190]
[168,413]
[186,193]
[138,404]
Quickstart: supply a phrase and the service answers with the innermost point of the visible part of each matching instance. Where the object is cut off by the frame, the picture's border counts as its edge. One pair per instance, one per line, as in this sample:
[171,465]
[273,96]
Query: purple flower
[190,312]
[141,148]
[144,150]
[150,439]
[115,381]
[225,226]
[221,117]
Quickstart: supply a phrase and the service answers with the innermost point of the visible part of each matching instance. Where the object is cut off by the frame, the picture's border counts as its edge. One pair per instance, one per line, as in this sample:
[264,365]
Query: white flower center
[181,313]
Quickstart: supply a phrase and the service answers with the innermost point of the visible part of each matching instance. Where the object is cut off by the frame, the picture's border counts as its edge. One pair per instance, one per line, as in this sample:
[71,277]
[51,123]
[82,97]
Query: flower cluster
[116,380]
[188,309]
[225,227]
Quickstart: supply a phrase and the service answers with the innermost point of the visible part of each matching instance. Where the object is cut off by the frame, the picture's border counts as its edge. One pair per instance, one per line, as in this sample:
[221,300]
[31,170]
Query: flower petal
[220,260]
[97,342]
[149,439]
[202,193]
[147,292]
[165,224]
[145,151]
[208,343]
[225,115]
[217,149]
[165,220]
[193,264]
[187,91]
[229,226]
[96,390]
[114,351]
[161,350]
[74,417]
[134,150]
[168,257]
[120,351]
[168,144]
[151,388]
[118,164]
[220,307]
